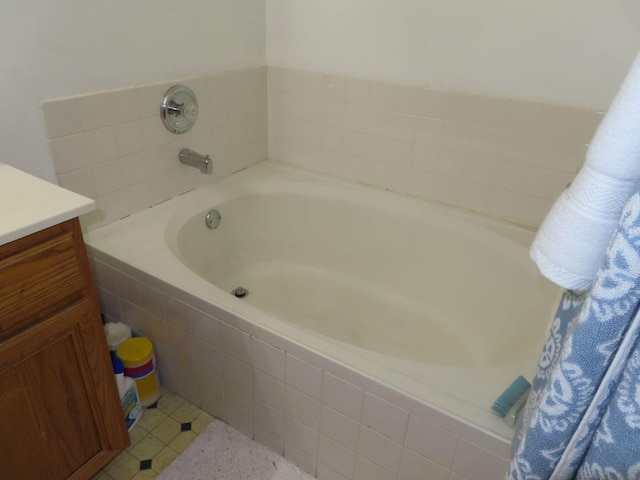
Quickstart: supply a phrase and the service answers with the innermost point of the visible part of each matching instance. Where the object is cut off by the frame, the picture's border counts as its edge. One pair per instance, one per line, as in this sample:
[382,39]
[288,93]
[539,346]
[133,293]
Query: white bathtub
[439,305]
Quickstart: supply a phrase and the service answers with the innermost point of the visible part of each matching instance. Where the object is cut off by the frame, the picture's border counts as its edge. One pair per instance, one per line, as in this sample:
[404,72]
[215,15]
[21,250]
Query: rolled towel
[572,241]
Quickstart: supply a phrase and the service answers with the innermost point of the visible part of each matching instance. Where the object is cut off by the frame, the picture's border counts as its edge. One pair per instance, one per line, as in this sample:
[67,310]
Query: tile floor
[162,434]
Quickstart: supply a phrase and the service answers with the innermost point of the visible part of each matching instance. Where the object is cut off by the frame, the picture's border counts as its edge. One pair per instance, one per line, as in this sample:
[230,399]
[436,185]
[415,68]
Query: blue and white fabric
[582,419]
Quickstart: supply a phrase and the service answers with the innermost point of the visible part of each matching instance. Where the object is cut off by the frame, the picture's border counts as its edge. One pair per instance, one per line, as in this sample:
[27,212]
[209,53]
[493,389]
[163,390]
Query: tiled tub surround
[112,146]
[504,157]
[330,420]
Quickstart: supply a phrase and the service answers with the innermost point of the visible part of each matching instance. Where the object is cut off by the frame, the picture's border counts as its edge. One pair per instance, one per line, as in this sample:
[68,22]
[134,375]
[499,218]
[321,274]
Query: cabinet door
[53,419]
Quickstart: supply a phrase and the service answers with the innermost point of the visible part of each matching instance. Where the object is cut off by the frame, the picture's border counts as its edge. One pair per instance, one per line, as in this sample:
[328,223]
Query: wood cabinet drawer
[38,280]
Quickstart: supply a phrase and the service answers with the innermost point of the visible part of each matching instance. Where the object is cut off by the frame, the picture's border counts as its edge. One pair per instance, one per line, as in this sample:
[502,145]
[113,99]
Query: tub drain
[240,292]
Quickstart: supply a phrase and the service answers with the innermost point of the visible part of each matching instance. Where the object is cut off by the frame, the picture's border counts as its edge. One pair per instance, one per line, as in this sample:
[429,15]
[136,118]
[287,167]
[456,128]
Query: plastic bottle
[116,333]
[129,397]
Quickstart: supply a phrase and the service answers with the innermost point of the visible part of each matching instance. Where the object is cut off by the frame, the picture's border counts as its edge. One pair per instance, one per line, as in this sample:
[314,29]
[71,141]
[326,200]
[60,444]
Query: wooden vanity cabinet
[60,414]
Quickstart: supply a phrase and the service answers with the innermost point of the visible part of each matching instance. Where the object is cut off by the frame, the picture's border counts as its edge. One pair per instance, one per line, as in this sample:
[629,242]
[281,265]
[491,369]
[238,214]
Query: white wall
[70,47]
[572,52]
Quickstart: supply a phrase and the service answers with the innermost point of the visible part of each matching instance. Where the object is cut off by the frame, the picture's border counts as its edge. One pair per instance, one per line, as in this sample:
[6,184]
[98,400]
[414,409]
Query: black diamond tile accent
[145,464]
[185,427]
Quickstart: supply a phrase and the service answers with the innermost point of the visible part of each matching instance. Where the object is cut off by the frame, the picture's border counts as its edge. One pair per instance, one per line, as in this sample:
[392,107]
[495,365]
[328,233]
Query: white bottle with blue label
[129,397]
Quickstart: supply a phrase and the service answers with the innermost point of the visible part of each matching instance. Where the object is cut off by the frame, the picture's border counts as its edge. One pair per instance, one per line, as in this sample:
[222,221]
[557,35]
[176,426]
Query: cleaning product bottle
[128,394]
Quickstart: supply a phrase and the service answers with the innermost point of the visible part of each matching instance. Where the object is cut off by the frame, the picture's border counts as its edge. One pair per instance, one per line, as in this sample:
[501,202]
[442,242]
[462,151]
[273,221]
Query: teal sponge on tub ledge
[512,400]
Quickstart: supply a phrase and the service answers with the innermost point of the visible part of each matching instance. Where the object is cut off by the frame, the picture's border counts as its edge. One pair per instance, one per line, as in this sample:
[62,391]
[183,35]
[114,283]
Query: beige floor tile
[145,475]
[147,448]
[151,418]
[186,412]
[136,434]
[163,459]
[169,402]
[124,468]
[102,476]
[201,422]
[157,436]
[168,429]
[182,441]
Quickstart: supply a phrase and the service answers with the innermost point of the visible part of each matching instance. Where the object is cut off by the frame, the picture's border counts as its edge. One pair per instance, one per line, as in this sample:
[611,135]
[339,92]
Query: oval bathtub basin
[439,304]
[435,287]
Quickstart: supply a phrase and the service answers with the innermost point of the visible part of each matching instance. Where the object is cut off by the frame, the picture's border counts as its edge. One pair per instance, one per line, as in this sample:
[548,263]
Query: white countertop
[29,204]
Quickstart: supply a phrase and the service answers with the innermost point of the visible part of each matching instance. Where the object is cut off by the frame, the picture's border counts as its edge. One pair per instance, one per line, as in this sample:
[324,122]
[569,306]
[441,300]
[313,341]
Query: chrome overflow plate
[212,219]
[179,109]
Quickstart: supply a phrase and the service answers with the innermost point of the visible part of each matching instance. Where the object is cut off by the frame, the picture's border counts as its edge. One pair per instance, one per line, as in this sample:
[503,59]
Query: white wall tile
[339,427]
[303,437]
[149,99]
[268,439]
[236,372]
[139,196]
[453,164]
[151,299]
[523,117]
[379,449]
[431,103]
[391,177]
[217,88]
[303,408]
[384,417]
[268,389]
[366,470]
[474,463]
[108,176]
[327,473]
[238,399]
[298,457]
[95,111]
[110,304]
[203,326]
[461,108]
[516,147]
[124,105]
[334,88]
[80,181]
[178,313]
[429,131]
[113,206]
[456,136]
[303,376]
[336,456]
[62,117]
[235,342]
[182,367]
[181,342]
[357,92]
[267,358]
[268,417]
[207,357]
[101,144]
[69,153]
[242,423]
[491,112]
[342,396]
[455,476]
[154,133]
[129,137]
[430,441]
[417,467]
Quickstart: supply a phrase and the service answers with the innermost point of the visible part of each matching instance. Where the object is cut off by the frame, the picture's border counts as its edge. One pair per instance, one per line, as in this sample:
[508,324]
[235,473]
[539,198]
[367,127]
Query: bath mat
[222,453]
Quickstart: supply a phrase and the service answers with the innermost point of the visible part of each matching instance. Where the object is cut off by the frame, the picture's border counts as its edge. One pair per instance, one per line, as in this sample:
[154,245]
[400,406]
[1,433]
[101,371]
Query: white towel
[572,241]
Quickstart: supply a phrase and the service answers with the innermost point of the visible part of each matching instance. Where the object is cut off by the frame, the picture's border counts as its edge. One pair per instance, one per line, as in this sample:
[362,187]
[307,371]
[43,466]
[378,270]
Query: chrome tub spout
[195,159]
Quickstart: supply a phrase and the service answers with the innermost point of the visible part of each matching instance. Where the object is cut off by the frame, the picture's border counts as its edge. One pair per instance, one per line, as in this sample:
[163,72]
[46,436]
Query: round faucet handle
[190,112]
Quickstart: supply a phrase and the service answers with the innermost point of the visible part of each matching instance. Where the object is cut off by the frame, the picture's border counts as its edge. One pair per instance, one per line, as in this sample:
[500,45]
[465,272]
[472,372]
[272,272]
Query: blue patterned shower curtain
[582,419]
